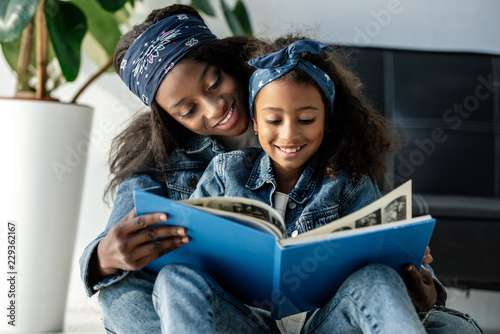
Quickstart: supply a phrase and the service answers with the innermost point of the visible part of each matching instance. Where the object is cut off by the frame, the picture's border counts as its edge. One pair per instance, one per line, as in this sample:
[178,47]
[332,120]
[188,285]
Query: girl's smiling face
[204,99]
[290,121]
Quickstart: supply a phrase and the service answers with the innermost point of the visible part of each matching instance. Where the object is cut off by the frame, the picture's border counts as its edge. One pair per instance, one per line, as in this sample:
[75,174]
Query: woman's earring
[256,133]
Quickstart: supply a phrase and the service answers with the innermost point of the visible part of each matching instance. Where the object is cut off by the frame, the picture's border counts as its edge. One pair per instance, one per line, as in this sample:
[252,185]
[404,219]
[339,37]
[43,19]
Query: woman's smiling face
[204,99]
[290,121]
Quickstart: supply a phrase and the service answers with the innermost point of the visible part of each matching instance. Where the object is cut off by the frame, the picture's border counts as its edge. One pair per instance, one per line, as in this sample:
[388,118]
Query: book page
[344,233]
[394,206]
[245,211]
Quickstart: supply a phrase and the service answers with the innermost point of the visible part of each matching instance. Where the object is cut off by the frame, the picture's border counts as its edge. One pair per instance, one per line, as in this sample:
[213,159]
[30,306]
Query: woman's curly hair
[357,137]
[145,144]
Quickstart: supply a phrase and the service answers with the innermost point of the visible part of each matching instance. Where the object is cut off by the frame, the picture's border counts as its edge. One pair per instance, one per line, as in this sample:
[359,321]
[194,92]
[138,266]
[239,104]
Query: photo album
[242,244]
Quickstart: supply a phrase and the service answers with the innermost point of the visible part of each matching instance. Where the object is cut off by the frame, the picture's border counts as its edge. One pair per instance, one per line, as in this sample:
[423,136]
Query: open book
[241,244]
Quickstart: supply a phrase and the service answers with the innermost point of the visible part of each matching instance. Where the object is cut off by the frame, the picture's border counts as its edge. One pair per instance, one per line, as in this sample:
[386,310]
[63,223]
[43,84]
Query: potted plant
[44,143]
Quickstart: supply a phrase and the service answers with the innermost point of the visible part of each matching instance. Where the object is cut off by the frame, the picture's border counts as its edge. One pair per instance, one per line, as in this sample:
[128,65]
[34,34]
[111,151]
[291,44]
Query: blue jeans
[127,305]
[186,300]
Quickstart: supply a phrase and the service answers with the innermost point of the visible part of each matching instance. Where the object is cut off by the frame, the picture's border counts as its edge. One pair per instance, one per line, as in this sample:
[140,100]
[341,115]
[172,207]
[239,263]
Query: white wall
[458,25]
[451,25]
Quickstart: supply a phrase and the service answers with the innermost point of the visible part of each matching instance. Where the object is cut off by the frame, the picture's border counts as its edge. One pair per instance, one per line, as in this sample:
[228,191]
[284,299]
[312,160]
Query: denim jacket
[315,200]
[185,166]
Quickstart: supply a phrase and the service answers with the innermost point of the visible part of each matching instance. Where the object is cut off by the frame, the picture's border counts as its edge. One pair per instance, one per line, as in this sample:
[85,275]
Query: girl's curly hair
[357,136]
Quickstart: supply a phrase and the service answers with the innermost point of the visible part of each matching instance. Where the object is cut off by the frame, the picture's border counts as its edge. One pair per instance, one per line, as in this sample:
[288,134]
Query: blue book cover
[284,276]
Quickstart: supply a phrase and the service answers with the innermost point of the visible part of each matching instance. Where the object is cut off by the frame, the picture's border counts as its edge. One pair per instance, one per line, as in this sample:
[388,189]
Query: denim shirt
[315,200]
[185,168]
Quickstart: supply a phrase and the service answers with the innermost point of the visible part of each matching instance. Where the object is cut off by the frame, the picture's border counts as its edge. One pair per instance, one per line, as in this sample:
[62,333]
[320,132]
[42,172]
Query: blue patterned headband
[274,65]
[158,49]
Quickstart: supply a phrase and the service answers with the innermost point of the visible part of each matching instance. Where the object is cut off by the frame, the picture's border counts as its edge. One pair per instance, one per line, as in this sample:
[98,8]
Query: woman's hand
[128,244]
[420,287]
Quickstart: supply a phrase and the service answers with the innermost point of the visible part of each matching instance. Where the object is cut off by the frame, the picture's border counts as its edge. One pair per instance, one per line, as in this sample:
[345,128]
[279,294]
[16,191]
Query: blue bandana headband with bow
[158,49]
[274,65]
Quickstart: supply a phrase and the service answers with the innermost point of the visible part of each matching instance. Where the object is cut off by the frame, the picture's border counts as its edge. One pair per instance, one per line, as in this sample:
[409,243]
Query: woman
[186,75]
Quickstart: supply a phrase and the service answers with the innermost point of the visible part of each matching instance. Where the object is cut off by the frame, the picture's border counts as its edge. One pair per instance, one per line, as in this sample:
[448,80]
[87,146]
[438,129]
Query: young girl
[322,150]
[317,155]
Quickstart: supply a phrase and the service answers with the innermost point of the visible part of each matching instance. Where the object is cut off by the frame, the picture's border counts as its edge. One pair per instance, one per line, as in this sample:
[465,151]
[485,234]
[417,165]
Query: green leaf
[110,5]
[11,52]
[203,6]
[94,50]
[231,19]
[14,16]
[67,27]
[122,15]
[242,15]
[102,25]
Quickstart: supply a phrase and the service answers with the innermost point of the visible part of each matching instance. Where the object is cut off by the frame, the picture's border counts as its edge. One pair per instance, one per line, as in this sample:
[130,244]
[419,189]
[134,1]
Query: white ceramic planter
[43,149]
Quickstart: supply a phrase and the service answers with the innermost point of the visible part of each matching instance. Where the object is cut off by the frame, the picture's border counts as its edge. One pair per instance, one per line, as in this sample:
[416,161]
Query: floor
[484,306]
[84,320]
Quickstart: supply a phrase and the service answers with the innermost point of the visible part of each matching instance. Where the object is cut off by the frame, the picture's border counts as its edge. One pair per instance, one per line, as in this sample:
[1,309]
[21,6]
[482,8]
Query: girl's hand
[420,287]
[427,257]
[128,244]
